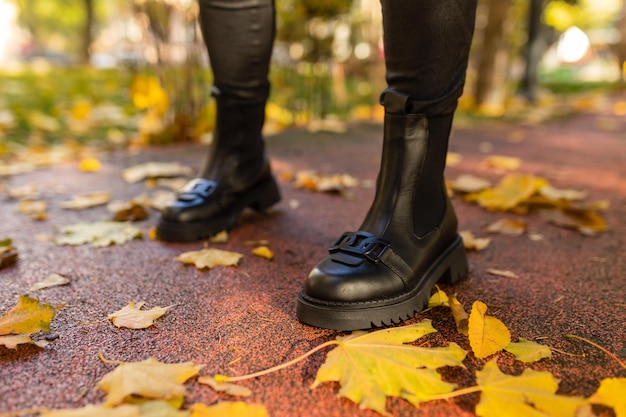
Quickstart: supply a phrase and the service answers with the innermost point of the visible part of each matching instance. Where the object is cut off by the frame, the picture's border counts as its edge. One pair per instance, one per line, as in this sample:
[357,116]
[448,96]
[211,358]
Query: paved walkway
[245,316]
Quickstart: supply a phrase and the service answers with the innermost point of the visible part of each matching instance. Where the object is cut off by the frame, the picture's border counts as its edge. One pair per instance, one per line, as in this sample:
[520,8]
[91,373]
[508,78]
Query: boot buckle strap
[361,244]
[198,187]
[369,247]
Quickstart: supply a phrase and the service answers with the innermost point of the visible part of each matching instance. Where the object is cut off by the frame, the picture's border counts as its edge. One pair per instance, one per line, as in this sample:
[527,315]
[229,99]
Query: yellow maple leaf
[99,234]
[146,409]
[487,335]
[552,193]
[530,394]
[611,393]
[27,317]
[53,280]
[371,366]
[36,209]
[502,273]
[439,298]
[155,170]
[502,162]
[133,317]
[230,409]
[87,200]
[90,165]
[263,252]
[471,242]
[148,379]
[528,351]
[467,183]
[512,190]
[92,410]
[511,227]
[586,221]
[209,258]
[11,341]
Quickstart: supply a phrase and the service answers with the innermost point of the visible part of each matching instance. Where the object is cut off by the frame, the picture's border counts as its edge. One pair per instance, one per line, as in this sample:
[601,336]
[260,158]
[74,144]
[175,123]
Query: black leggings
[426,46]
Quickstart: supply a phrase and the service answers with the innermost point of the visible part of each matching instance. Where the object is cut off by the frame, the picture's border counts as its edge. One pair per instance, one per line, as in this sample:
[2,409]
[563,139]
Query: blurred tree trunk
[85,53]
[533,50]
[621,48]
[490,87]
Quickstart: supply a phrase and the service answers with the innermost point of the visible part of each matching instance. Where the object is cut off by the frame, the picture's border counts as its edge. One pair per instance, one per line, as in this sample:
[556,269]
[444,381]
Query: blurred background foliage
[136,72]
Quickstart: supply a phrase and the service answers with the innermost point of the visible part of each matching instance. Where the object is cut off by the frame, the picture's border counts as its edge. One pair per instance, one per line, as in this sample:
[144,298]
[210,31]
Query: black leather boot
[384,273]
[237,176]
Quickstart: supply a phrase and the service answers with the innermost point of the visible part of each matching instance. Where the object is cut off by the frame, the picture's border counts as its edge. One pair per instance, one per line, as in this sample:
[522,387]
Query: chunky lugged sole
[260,197]
[448,268]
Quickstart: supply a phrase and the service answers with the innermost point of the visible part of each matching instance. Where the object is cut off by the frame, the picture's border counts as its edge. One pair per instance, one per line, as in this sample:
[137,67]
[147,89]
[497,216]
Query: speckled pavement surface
[242,319]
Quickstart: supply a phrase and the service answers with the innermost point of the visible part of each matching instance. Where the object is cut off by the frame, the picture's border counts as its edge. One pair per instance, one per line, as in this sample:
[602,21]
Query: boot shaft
[237,152]
[410,198]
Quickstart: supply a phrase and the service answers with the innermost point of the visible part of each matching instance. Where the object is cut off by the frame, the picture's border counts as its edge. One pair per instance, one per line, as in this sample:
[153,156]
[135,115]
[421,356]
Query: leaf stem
[457,393]
[281,366]
[566,353]
[573,336]
[105,360]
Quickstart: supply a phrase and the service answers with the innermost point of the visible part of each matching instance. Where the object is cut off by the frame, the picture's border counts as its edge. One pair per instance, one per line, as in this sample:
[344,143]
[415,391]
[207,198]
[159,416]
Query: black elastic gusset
[429,204]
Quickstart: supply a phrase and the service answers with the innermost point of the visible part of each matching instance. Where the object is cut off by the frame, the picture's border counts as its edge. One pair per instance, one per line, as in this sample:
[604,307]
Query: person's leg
[384,273]
[239,36]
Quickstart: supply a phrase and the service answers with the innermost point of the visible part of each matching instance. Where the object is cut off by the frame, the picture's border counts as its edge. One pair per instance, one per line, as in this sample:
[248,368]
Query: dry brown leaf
[174,184]
[158,200]
[13,340]
[155,170]
[130,213]
[15,168]
[468,183]
[133,317]
[470,242]
[502,273]
[99,234]
[552,193]
[460,315]
[588,222]
[29,191]
[225,387]
[511,227]
[8,254]
[35,209]
[148,379]
[84,201]
[210,258]
[53,280]
[501,162]
[312,181]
